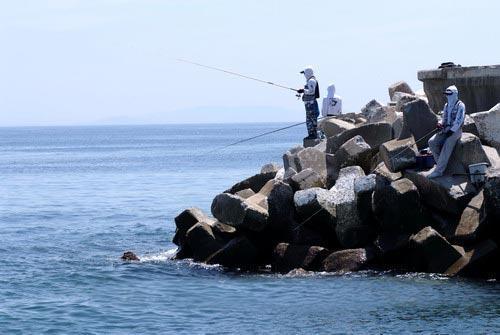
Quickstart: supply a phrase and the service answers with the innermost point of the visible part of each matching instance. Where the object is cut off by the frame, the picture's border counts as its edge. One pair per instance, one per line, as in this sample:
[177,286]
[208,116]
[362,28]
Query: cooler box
[425,161]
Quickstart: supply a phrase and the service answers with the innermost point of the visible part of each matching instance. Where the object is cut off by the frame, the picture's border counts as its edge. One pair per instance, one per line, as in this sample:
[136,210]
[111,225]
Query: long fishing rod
[236,74]
[260,135]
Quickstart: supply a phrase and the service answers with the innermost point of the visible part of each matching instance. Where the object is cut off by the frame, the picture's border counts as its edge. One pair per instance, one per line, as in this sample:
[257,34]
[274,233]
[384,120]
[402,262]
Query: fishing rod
[236,74]
[260,135]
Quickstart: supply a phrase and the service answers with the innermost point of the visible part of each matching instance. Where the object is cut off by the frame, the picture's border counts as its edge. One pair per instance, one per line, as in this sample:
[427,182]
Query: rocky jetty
[358,201]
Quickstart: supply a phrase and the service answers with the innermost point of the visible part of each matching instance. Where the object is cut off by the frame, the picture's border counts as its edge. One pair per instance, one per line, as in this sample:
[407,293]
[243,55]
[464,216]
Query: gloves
[439,126]
[449,133]
[300,90]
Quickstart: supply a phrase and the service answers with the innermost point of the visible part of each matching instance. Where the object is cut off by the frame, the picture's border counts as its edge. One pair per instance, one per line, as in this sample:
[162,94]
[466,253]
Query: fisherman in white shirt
[442,143]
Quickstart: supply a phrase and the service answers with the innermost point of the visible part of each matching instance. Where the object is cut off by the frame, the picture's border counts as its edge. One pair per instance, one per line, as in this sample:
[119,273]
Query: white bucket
[478,172]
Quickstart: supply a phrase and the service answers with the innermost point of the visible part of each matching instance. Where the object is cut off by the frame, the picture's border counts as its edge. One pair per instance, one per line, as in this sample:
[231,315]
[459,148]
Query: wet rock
[202,242]
[305,179]
[246,193]
[419,121]
[129,256]
[311,158]
[234,211]
[447,194]
[289,158]
[432,253]
[373,133]
[392,248]
[481,261]
[254,183]
[488,126]
[400,86]
[269,168]
[472,222]
[287,257]
[185,220]
[238,252]
[399,154]
[348,260]
[334,126]
[397,206]
[370,108]
[363,191]
[353,152]
[303,234]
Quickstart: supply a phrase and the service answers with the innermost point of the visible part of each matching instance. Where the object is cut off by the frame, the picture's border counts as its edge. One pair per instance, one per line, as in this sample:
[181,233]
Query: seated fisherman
[332,104]
[442,143]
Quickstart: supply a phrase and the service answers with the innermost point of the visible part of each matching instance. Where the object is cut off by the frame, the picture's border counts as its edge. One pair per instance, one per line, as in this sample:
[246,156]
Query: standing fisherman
[310,94]
[442,143]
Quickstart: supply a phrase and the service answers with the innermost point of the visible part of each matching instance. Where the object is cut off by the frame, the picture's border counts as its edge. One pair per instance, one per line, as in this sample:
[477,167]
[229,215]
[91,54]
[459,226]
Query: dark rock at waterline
[129,256]
[185,220]
[392,248]
[480,261]
[238,252]
[202,242]
[287,257]
[348,260]
[432,252]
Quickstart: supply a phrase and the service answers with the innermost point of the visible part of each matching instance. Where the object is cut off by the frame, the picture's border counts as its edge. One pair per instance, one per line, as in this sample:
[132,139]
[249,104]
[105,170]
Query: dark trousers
[312,113]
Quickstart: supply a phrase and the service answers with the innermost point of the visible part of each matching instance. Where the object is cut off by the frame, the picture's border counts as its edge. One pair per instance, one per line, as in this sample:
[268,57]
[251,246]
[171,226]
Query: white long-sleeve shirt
[453,116]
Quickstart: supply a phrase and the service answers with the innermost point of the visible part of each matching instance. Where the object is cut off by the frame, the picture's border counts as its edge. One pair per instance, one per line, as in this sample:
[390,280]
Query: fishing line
[257,136]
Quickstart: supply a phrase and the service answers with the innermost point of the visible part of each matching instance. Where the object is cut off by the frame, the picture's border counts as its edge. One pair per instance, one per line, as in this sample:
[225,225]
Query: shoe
[434,174]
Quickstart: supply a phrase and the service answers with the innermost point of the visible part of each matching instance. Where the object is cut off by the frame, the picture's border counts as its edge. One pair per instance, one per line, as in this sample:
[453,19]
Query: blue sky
[113,61]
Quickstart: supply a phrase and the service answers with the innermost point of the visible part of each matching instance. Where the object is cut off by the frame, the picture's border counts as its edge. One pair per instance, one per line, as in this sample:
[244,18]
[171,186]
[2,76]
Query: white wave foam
[163,256]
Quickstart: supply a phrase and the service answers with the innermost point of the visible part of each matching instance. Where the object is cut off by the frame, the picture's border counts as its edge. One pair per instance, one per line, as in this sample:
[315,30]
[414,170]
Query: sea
[73,199]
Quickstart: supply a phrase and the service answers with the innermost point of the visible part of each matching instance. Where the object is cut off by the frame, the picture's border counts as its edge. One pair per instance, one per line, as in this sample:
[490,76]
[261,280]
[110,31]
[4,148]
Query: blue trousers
[312,113]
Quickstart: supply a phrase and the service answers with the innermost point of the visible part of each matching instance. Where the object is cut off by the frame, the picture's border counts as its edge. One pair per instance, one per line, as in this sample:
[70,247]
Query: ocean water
[73,199]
